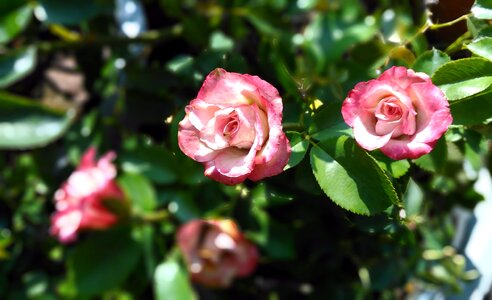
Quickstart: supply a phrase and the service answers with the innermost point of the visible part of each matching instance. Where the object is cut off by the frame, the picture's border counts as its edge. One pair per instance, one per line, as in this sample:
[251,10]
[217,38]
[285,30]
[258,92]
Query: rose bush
[402,113]
[79,202]
[234,127]
[216,252]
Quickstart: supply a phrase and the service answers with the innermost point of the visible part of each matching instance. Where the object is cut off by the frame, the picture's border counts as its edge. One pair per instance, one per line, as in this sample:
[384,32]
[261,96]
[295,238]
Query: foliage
[339,222]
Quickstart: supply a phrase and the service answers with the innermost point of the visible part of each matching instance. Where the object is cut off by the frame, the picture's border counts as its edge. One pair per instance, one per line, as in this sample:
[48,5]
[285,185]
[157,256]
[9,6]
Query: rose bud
[216,252]
[402,113]
[79,202]
[234,128]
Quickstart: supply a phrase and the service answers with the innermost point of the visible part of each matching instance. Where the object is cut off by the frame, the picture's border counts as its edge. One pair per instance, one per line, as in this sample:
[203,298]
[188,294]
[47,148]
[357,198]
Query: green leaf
[473,149]
[413,199]
[154,162]
[263,196]
[430,61]
[351,177]
[221,42]
[396,168]
[331,34]
[473,111]
[299,146]
[71,12]
[26,124]
[139,191]
[103,262]
[12,22]
[273,237]
[482,9]
[464,78]
[171,282]
[435,161]
[329,123]
[14,66]
[481,47]
[181,204]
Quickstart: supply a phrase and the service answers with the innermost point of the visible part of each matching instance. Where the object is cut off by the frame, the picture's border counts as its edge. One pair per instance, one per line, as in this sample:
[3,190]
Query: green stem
[151,36]
[450,23]
[156,216]
[458,44]
[291,126]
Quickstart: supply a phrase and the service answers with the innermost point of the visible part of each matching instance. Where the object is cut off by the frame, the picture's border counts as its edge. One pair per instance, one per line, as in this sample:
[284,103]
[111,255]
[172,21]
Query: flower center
[232,126]
[389,109]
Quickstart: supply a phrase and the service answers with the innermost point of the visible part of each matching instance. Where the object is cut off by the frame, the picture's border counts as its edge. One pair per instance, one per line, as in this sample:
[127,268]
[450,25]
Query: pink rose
[234,127]
[401,112]
[216,252]
[79,202]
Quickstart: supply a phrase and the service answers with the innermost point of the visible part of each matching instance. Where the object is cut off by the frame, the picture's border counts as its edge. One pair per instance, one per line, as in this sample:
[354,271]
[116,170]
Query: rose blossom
[79,202]
[216,252]
[401,112]
[234,127]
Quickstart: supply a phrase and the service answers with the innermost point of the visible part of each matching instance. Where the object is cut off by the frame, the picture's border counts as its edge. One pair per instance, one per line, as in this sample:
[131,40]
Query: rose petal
[401,149]
[225,88]
[189,142]
[245,136]
[433,117]
[275,165]
[211,171]
[403,77]
[234,162]
[199,113]
[366,137]
[65,225]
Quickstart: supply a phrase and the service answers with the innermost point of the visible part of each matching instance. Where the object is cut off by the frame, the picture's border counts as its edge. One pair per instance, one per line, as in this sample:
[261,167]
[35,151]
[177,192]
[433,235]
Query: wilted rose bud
[216,252]
[79,202]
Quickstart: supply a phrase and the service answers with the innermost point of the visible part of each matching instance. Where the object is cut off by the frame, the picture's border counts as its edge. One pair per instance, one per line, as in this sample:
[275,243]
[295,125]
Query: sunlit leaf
[482,47]
[171,282]
[482,9]
[16,65]
[430,61]
[350,177]
[26,124]
[464,78]
[14,21]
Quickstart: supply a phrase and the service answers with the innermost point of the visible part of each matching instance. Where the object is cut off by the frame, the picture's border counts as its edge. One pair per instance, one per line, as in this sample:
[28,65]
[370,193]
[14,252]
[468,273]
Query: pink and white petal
[189,142]
[105,164]
[403,77]
[225,88]
[437,126]
[245,136]
[366,137]
[65,225]
[234,162]
[95,215]
[211,135]
[199,113]
[211,171]
[434,117]
[88,160]
[273,163]
[401,149]
[384,127]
